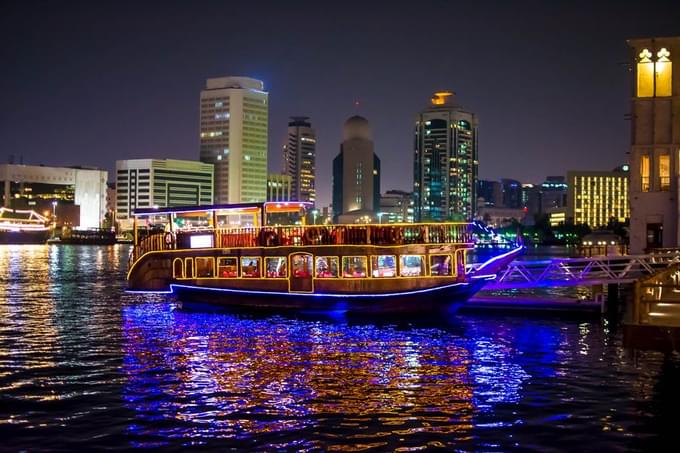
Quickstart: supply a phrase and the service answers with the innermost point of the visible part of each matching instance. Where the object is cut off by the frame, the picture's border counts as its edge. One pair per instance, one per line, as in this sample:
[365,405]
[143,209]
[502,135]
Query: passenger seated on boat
[251,269]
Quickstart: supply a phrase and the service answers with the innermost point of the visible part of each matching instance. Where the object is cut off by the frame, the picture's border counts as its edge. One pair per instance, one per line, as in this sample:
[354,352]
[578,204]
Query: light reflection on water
[83,364]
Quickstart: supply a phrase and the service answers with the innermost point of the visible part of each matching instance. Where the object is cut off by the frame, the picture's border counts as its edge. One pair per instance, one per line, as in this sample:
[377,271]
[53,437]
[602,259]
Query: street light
[54,217]
[380,214]
[314,214]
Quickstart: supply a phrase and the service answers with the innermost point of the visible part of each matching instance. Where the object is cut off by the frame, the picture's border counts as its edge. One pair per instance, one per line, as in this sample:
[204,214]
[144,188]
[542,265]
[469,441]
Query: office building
[299,159]
[279,187]
[489,193]
[75,195]
[512,193]
[655,144]
[233,136]
[445,162]
[356,175]
[596,198]
[396,206]
[145,183]
[553,193]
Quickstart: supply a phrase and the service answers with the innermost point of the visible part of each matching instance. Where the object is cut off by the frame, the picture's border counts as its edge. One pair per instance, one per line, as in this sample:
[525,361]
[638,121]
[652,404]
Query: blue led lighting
[280,293]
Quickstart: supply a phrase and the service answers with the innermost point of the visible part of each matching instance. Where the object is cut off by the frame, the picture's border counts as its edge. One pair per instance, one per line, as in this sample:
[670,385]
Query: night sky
[88,83]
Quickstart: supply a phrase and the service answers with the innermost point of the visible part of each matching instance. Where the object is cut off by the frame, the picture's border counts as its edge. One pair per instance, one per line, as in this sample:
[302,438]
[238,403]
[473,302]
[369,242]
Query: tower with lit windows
[655,144]
[299,159]
[445,162]
[234,137]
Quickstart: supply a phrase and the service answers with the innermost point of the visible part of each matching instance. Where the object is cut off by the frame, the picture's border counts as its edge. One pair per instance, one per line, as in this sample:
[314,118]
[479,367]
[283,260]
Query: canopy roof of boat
[268,207]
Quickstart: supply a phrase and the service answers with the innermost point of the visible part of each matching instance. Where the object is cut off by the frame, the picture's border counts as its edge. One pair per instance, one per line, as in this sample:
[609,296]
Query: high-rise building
[299,159]
[491,192]
[595,198]
[553,194]
[356,174]
[396,206]
[445,164]
[512,193]
[145,183]
[279,187]
[75,195]
[655,144]
[234,128]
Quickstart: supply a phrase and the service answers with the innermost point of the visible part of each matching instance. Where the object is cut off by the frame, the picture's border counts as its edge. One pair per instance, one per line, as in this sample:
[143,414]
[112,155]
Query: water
[84,365]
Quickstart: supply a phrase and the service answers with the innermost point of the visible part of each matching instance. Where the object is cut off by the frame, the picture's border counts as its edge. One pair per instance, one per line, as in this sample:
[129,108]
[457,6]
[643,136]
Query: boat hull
[442,298]
[24,237]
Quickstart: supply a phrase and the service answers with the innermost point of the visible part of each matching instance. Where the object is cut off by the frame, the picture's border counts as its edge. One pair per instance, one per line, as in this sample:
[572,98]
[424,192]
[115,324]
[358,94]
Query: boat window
[205,267]
[440,265]
[250,266]
[412,265]
[354,266]
[189,267]
[276,267]
[384,265]
[327,267]
[227,267]
[178,268]
[301,265]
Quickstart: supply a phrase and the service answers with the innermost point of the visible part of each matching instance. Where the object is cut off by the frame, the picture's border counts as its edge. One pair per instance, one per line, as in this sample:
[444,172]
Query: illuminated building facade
[356,174]
[655,144]
[396,206]
[279,187]
[76,195]
[445,162]
[299,159]
[145,183]
[597,197]
[234,137]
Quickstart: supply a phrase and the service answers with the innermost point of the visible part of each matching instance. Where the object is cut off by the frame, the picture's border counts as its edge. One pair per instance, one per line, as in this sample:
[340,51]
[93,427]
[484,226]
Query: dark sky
[86,83]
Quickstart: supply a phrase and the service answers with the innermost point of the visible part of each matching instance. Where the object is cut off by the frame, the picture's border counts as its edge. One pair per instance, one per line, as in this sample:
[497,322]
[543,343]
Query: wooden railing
[433,233]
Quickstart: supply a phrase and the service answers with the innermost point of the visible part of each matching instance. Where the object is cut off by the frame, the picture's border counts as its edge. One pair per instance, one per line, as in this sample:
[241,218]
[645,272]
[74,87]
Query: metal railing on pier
[656,299]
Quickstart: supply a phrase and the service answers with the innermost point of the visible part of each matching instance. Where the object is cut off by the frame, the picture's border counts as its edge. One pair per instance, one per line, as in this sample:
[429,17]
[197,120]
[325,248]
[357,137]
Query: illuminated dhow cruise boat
[263,255]
[23,226]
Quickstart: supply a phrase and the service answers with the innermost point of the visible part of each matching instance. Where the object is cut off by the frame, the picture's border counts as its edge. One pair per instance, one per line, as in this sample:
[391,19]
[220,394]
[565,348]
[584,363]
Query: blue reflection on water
[240,377]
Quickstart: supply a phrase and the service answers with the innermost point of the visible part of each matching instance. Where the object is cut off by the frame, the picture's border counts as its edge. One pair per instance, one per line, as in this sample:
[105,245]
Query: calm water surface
[85,365]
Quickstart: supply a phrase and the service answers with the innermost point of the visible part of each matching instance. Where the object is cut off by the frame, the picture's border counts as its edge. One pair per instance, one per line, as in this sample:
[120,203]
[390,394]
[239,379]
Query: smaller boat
[23,226]
[90,236]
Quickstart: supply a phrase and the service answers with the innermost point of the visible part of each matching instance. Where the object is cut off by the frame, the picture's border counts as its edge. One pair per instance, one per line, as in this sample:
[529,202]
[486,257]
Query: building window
[276,267]
[663,73]
[354,266]
[664,172]
[645,75]
[384,265]
[644,173]
[326,267]
[654,78]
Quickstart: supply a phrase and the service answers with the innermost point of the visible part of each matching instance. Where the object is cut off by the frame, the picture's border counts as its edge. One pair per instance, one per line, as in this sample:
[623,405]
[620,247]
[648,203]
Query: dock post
[612,298]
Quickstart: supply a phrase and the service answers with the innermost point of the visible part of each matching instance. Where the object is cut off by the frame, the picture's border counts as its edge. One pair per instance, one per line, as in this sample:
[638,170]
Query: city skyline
[533,82]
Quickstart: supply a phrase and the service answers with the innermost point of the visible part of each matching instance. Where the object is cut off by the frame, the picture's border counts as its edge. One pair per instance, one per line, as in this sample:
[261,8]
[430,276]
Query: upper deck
[275,225]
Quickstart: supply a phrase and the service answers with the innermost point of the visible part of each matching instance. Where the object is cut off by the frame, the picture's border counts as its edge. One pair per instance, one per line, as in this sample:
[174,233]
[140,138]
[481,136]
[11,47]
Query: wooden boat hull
[24,237]
[441,298]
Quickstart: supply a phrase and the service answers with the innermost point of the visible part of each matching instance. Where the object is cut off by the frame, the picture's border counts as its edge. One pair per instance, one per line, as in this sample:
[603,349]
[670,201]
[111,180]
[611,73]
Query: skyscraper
[356,174]
[234,127]
[445,163]
[299,159]
[596,198]
[655,144]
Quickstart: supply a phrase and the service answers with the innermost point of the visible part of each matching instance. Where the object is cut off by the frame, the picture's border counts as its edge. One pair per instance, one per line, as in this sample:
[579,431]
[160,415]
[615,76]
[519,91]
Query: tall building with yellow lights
[596,198]
[655,144]
[445,162]
[234,137]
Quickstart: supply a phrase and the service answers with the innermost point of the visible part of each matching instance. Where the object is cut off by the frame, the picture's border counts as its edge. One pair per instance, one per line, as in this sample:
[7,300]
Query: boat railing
[298,235]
